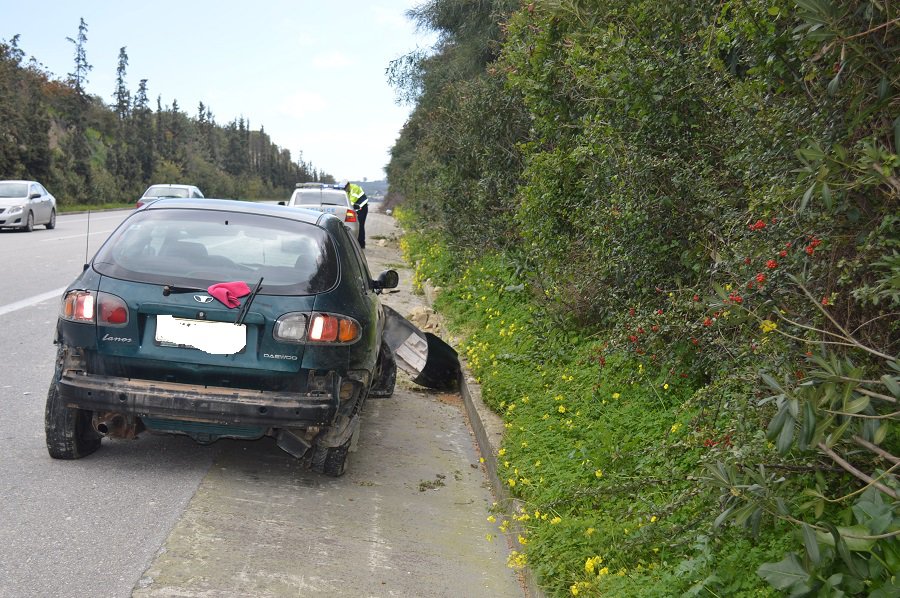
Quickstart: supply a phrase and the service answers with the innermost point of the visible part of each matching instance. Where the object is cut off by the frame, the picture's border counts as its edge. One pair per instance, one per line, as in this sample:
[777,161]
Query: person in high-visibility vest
[361,205]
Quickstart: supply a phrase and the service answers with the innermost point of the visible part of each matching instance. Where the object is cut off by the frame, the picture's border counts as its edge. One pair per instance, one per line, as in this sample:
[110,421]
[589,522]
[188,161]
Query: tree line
[89,152]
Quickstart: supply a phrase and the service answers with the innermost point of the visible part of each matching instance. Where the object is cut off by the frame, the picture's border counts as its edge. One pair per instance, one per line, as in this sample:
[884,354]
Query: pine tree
[78,78]
[143,132]
[122,97]
[81,154]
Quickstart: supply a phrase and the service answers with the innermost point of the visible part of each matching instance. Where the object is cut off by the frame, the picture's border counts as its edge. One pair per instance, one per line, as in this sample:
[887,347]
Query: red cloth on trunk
[228,292]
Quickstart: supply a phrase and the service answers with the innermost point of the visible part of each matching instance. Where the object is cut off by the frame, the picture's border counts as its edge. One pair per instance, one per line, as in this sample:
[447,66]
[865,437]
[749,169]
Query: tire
[52,224]
[68,431]
[332,461]
[29,223]
[385,377]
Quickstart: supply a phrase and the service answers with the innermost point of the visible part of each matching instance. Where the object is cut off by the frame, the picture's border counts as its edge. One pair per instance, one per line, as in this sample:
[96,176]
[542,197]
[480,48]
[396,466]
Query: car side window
[361,262]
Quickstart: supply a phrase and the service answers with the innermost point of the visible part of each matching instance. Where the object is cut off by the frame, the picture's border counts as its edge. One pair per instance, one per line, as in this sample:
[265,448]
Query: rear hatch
[185,338]
[329,201]
[159,265]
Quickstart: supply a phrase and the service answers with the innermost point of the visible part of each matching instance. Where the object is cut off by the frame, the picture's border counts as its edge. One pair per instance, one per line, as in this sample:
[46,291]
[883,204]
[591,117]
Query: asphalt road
[163,516]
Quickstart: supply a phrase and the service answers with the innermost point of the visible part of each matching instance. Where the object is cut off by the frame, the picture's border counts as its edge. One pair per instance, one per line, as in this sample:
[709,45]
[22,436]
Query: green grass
[608,462]
[68,208]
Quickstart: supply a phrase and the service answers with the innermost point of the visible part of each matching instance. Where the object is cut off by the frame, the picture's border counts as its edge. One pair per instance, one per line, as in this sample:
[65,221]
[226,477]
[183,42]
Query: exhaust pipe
[115,425]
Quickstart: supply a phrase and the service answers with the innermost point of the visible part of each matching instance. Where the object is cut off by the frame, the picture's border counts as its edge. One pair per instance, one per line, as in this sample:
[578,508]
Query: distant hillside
[374,189]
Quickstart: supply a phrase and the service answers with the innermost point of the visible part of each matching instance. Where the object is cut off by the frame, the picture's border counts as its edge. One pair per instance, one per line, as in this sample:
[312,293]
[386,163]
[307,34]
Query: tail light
[351,216]
[317,328]
[90,308]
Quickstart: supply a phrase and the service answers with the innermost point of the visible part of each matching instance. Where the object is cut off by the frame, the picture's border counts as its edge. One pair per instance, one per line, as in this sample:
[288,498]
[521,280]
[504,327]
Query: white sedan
[325,198]
[24,204]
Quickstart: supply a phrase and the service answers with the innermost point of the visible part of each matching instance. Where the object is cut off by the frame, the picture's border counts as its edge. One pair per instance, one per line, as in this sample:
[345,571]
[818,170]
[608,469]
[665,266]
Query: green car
[222,319]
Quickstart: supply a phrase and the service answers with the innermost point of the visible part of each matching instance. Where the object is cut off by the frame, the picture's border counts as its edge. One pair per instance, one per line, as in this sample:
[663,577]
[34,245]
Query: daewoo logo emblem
[202,298]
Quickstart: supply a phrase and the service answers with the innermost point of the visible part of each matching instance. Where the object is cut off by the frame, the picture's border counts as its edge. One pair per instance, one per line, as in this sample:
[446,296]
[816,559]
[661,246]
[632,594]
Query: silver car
[24,204]
[328,199]
[155,192]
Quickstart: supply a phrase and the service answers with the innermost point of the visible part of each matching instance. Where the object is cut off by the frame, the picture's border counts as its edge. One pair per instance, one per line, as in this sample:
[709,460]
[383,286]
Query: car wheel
[52,224]
[385,374]
[332,461]
[29,223]
[68,431]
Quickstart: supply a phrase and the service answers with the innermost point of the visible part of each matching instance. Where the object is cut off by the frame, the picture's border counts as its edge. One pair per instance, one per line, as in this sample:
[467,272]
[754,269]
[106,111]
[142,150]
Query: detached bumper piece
[429,360]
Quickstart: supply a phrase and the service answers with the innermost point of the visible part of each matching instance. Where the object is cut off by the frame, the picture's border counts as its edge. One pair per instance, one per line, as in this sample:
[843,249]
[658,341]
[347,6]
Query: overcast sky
[312,73]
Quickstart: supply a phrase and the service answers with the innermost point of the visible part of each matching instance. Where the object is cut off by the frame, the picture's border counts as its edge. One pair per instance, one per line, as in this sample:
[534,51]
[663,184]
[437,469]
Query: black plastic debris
[429,360]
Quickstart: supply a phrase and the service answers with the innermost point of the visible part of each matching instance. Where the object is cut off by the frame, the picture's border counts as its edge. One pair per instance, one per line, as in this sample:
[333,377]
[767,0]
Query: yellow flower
[562,409]
[492,519]
[591,564]
[555,520]
[516,560]
[481,460]
[511,482]
[616,395]
[599,473]
[768,326]
[666,386]
[501,452]
[675,427]
[589,531]
[523,540]
[653,519]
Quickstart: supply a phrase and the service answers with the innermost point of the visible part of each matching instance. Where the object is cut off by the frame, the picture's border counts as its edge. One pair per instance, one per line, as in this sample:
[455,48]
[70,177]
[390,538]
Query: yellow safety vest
[357,195]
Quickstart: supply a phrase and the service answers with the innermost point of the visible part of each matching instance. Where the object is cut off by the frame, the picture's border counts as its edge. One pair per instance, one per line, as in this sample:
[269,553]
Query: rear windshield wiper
[245,309]
[170,288]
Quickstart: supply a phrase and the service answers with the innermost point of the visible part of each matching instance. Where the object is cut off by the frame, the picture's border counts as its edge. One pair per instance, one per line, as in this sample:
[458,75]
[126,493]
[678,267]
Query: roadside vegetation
[667,235]
[90,153]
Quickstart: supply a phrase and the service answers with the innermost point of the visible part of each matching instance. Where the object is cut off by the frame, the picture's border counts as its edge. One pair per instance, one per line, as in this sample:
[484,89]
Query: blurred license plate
[215,338]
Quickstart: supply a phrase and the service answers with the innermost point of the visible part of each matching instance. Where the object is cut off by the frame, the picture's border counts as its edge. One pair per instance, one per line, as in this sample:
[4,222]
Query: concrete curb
[488,429]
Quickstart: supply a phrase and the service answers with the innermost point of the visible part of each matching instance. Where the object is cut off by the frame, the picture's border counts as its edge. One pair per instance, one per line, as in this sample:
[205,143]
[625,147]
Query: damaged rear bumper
[149,398]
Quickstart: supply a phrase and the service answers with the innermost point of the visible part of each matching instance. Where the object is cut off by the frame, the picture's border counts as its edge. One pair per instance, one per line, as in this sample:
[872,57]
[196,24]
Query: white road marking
[96,232]
[11,307]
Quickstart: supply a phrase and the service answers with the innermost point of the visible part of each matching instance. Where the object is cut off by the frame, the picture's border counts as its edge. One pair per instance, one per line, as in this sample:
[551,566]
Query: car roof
[243,207]
[16,181]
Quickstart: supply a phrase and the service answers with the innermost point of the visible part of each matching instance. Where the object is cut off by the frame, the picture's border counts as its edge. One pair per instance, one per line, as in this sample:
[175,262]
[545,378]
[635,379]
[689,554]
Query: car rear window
[167,192]
[316,197]
[197,248]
